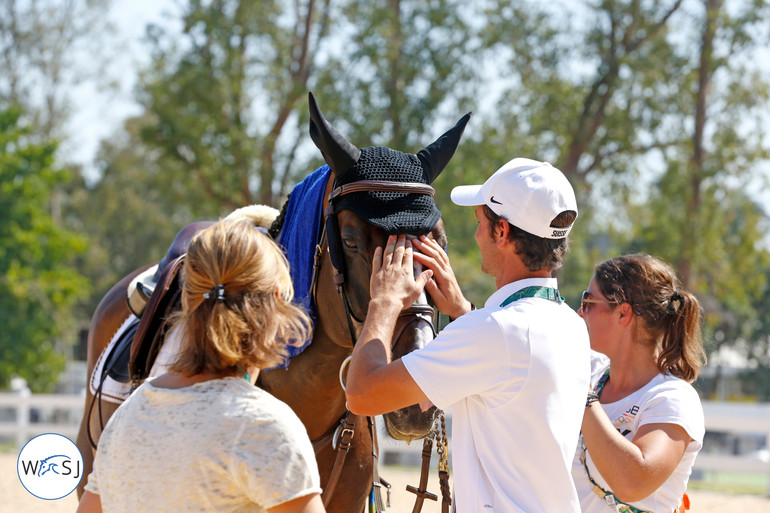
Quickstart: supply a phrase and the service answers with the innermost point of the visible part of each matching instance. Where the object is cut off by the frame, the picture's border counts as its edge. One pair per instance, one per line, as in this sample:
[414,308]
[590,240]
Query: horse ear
[340,154]
[436,156]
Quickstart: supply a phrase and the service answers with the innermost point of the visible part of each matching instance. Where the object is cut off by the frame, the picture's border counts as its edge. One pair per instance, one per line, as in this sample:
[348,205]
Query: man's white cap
[526,193]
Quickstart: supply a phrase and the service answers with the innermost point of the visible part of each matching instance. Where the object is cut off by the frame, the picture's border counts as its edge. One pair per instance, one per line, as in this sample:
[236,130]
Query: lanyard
[602,381]
[608,497]
[534,291]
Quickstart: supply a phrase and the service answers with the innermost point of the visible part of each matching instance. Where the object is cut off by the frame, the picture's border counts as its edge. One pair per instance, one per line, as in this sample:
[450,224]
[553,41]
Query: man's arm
[375,383]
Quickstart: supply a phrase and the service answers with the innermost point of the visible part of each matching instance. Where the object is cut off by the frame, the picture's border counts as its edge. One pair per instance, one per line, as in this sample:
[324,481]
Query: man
[515,372]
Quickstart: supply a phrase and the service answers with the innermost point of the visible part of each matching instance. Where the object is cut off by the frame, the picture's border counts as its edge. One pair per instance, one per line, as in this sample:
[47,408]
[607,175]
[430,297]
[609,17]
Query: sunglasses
[586,301]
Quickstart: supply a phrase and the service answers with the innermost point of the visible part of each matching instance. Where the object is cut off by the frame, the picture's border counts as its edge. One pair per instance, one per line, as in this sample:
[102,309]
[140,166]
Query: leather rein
[341,435]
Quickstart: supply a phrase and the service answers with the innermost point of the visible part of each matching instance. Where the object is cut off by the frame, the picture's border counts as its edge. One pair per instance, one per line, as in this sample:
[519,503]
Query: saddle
[153,325]
[152,297]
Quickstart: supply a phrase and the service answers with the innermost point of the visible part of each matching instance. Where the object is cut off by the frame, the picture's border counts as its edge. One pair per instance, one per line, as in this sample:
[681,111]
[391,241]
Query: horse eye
[349,243]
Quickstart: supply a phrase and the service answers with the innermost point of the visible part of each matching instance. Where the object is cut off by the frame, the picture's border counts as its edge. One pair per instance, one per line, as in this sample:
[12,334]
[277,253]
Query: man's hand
[393,274]
[376,384]
[443,286]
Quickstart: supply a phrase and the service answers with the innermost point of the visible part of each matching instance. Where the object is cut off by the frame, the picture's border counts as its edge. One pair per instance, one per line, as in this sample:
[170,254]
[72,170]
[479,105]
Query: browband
[382,186]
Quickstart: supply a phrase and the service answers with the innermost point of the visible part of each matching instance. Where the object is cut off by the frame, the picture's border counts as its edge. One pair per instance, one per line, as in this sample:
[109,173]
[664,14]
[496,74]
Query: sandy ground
[15,499]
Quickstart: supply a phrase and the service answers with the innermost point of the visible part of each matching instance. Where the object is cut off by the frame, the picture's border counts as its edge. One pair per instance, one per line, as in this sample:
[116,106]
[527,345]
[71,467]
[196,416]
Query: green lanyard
[608,497]
[534,291]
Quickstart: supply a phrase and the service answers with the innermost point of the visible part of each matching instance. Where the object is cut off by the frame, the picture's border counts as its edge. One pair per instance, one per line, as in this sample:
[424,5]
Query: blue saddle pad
[299,236]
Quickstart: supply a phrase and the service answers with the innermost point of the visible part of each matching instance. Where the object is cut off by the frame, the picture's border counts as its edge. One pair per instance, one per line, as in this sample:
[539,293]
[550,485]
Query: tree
[614,97]
[403,73]
[39,284]
[705,223]
[224,97]
[42,49]
[584,86]
[128,214]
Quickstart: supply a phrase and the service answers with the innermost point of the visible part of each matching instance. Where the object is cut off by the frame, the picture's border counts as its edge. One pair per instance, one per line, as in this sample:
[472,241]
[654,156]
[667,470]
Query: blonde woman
[202,437]
[643,424]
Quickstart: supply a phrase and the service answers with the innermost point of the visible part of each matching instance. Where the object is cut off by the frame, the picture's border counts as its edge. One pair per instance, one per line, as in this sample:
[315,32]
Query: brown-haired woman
[643,423]
[201,437]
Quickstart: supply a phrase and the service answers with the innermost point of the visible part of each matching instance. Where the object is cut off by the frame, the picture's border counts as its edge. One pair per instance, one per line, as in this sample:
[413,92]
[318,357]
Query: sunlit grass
[749,483]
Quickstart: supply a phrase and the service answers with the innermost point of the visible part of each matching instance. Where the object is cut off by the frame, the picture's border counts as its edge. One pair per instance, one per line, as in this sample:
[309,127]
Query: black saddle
[116,363]
[132,356]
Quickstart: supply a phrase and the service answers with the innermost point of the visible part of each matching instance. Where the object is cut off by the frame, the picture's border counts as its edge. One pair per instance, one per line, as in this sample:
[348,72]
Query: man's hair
[537,253]
[237,302]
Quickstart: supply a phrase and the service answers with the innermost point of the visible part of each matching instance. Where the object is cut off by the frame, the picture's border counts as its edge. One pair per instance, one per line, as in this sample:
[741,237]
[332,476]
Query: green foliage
[220,100]
[608,92]
[652,109]
[38,285]
[698,215]
[402,74]
[43,57]
[130,214]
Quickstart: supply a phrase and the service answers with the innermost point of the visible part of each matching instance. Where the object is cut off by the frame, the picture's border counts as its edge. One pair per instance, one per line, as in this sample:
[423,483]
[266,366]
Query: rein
[341,435]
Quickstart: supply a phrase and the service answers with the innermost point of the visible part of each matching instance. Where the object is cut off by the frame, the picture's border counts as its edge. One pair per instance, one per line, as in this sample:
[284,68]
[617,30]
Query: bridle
[331,234]
[343,432]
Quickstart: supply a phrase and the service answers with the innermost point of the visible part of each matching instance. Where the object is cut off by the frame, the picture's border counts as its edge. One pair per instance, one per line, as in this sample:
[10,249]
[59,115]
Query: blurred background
[121,122]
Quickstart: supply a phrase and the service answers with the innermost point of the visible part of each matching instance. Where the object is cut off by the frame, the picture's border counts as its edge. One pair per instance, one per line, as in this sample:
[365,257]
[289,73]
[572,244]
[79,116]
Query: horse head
[377,192]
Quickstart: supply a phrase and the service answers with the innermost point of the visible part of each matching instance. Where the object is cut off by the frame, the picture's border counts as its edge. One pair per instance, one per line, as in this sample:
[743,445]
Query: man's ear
[502,231]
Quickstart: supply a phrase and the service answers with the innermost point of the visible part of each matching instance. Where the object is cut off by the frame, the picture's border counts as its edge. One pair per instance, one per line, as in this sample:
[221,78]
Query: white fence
[59,413]
[737,418]
[35,414]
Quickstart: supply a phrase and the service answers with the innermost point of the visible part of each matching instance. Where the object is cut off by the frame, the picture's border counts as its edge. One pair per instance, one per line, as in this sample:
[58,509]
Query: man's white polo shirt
[516,378]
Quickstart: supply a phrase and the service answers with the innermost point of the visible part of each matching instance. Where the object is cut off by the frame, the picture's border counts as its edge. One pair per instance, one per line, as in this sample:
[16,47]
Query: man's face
[486,242]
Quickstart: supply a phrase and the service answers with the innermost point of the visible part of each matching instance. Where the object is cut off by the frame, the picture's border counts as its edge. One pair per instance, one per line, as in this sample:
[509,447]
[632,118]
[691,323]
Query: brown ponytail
[670,315]
[237,310]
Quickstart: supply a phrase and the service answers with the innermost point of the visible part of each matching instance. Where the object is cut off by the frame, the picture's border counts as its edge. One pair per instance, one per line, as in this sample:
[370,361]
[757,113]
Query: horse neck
[310,384]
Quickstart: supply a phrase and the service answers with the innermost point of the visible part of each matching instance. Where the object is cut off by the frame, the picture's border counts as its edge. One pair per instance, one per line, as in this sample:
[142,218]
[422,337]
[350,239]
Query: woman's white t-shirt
[222,445]
[664,400]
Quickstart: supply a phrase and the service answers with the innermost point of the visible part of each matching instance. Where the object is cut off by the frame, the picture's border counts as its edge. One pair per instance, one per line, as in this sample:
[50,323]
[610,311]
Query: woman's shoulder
[670,384]
[671,399]
[264,419]
[260,407]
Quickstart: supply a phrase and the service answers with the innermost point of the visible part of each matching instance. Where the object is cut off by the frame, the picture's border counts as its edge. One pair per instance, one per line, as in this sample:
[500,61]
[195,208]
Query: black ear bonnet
[395,212]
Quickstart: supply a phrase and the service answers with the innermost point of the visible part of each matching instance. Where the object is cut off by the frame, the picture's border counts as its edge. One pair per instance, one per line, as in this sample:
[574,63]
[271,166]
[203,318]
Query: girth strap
[375,496]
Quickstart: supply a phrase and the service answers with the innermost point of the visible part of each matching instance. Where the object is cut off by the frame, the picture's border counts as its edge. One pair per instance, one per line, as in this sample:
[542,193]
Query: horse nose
[424,332]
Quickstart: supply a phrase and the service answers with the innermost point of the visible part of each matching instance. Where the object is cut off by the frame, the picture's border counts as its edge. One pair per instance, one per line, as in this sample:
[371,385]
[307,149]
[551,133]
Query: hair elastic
[217,293]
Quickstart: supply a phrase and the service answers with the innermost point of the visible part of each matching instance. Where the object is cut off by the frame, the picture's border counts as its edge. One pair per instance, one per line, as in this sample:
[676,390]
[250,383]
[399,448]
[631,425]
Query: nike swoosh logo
[492,199]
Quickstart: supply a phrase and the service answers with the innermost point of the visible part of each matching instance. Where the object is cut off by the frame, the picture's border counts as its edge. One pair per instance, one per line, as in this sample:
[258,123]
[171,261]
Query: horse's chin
[410,423]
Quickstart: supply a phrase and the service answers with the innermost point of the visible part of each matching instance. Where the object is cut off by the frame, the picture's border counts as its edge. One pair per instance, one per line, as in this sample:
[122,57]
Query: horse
[345,444]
